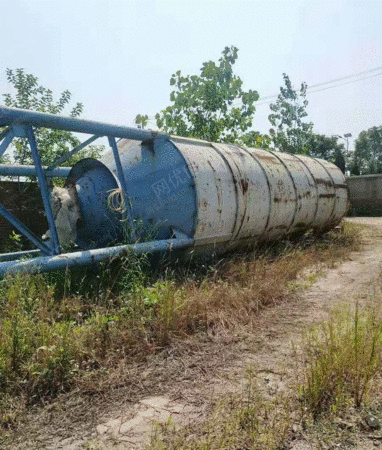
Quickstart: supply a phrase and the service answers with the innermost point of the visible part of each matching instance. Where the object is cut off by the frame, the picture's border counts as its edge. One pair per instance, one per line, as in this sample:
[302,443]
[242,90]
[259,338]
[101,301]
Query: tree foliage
[290,133]
[52,144]
[141,121]
[210,106]
[367,157]
[254,139]
[328,148]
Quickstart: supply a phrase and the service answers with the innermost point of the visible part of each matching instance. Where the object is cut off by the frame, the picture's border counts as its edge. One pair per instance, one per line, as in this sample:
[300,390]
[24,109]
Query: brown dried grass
[246,283]
[106,339]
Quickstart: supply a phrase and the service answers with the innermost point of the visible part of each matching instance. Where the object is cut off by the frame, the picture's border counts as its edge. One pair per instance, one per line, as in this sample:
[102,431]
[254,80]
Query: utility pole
[347,136]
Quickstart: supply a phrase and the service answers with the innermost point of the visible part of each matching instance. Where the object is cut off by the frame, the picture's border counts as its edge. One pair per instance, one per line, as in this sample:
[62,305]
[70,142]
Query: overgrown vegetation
[344,355]
[340,385]
[58,329]
[336,402]
[342,366]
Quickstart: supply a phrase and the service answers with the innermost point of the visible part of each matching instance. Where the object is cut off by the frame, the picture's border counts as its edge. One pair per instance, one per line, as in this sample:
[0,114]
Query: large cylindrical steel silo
[221,195]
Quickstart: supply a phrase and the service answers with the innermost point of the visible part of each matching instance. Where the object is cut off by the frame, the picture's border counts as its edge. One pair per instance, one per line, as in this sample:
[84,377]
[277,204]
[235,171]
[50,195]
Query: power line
[323,84]
[345,78]
[353,81]
[331,81]
[329,87]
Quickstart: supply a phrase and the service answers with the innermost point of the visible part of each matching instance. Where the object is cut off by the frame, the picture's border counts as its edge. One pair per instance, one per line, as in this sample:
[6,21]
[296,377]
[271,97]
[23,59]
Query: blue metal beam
[47,263]
[7,139]
[122,180]
[73,152]
[18,255]
[21,123]
[44,190]
[4,133]
[19,170]
[8,116]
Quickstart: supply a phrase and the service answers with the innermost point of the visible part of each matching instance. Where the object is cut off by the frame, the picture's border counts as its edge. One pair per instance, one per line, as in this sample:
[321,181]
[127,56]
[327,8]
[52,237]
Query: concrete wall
[366,194]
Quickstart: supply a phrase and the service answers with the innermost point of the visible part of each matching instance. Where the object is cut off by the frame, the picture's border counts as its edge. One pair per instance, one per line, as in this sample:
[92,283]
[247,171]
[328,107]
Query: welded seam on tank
[347,197]
[193,178]
[295,191]
[245,202]
[269,189]
[315,186]
[235,182]
[334,187]
[186,140]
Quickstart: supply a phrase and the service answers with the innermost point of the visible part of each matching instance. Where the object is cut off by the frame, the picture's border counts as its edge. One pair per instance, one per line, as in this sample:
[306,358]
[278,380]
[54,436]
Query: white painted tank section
[251,189]
[305,192]
[216,194]
[253,194]
[341,201]
[248,195]
[328,210]
[282,194]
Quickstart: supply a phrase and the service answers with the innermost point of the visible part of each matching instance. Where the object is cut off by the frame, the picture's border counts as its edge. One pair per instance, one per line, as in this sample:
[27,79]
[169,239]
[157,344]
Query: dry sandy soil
[181,383]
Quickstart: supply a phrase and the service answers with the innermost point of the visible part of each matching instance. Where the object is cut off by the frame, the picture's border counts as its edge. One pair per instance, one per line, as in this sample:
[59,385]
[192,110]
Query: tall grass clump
[37,353]
[344,357]
[52,331]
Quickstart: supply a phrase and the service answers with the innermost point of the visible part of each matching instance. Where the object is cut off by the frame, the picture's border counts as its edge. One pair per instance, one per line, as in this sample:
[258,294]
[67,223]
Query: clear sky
[117,57]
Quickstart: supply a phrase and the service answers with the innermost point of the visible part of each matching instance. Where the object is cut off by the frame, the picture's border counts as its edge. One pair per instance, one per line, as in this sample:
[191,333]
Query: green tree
[254,139]
[290,134]
[367,156]
[52,144]
[328,148]
[141,121]
[210,106]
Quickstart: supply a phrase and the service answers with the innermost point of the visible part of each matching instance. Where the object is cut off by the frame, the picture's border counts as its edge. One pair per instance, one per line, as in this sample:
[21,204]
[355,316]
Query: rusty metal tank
[221,195]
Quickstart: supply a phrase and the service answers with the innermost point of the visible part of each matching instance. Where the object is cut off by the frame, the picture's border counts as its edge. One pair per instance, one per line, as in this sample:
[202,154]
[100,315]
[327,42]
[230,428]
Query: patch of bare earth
[180,381]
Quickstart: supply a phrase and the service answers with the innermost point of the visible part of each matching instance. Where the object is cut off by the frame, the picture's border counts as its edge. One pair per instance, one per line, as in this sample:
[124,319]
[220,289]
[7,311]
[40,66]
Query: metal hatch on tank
[98,226]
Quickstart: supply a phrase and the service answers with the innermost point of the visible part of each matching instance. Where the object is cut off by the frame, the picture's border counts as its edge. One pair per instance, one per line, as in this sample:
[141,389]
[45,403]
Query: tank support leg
[122,181]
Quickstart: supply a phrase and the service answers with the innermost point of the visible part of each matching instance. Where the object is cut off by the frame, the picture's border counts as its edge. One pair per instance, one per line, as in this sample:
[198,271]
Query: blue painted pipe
[8,116]
[18,170]
[67,260]
[72,153]
[17,255]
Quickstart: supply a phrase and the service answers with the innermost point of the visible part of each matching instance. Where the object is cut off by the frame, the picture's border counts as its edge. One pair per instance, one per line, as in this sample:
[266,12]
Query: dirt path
[180,386]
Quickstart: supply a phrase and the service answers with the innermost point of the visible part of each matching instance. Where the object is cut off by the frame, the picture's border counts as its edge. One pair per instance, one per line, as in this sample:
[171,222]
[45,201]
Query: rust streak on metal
[324,182]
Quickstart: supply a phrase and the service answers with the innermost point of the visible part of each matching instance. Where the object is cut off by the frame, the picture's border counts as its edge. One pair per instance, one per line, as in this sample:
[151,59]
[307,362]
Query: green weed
[344,355]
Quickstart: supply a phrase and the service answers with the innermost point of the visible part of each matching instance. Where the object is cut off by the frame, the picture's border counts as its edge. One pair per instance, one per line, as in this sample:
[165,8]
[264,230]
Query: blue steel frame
[20,123]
